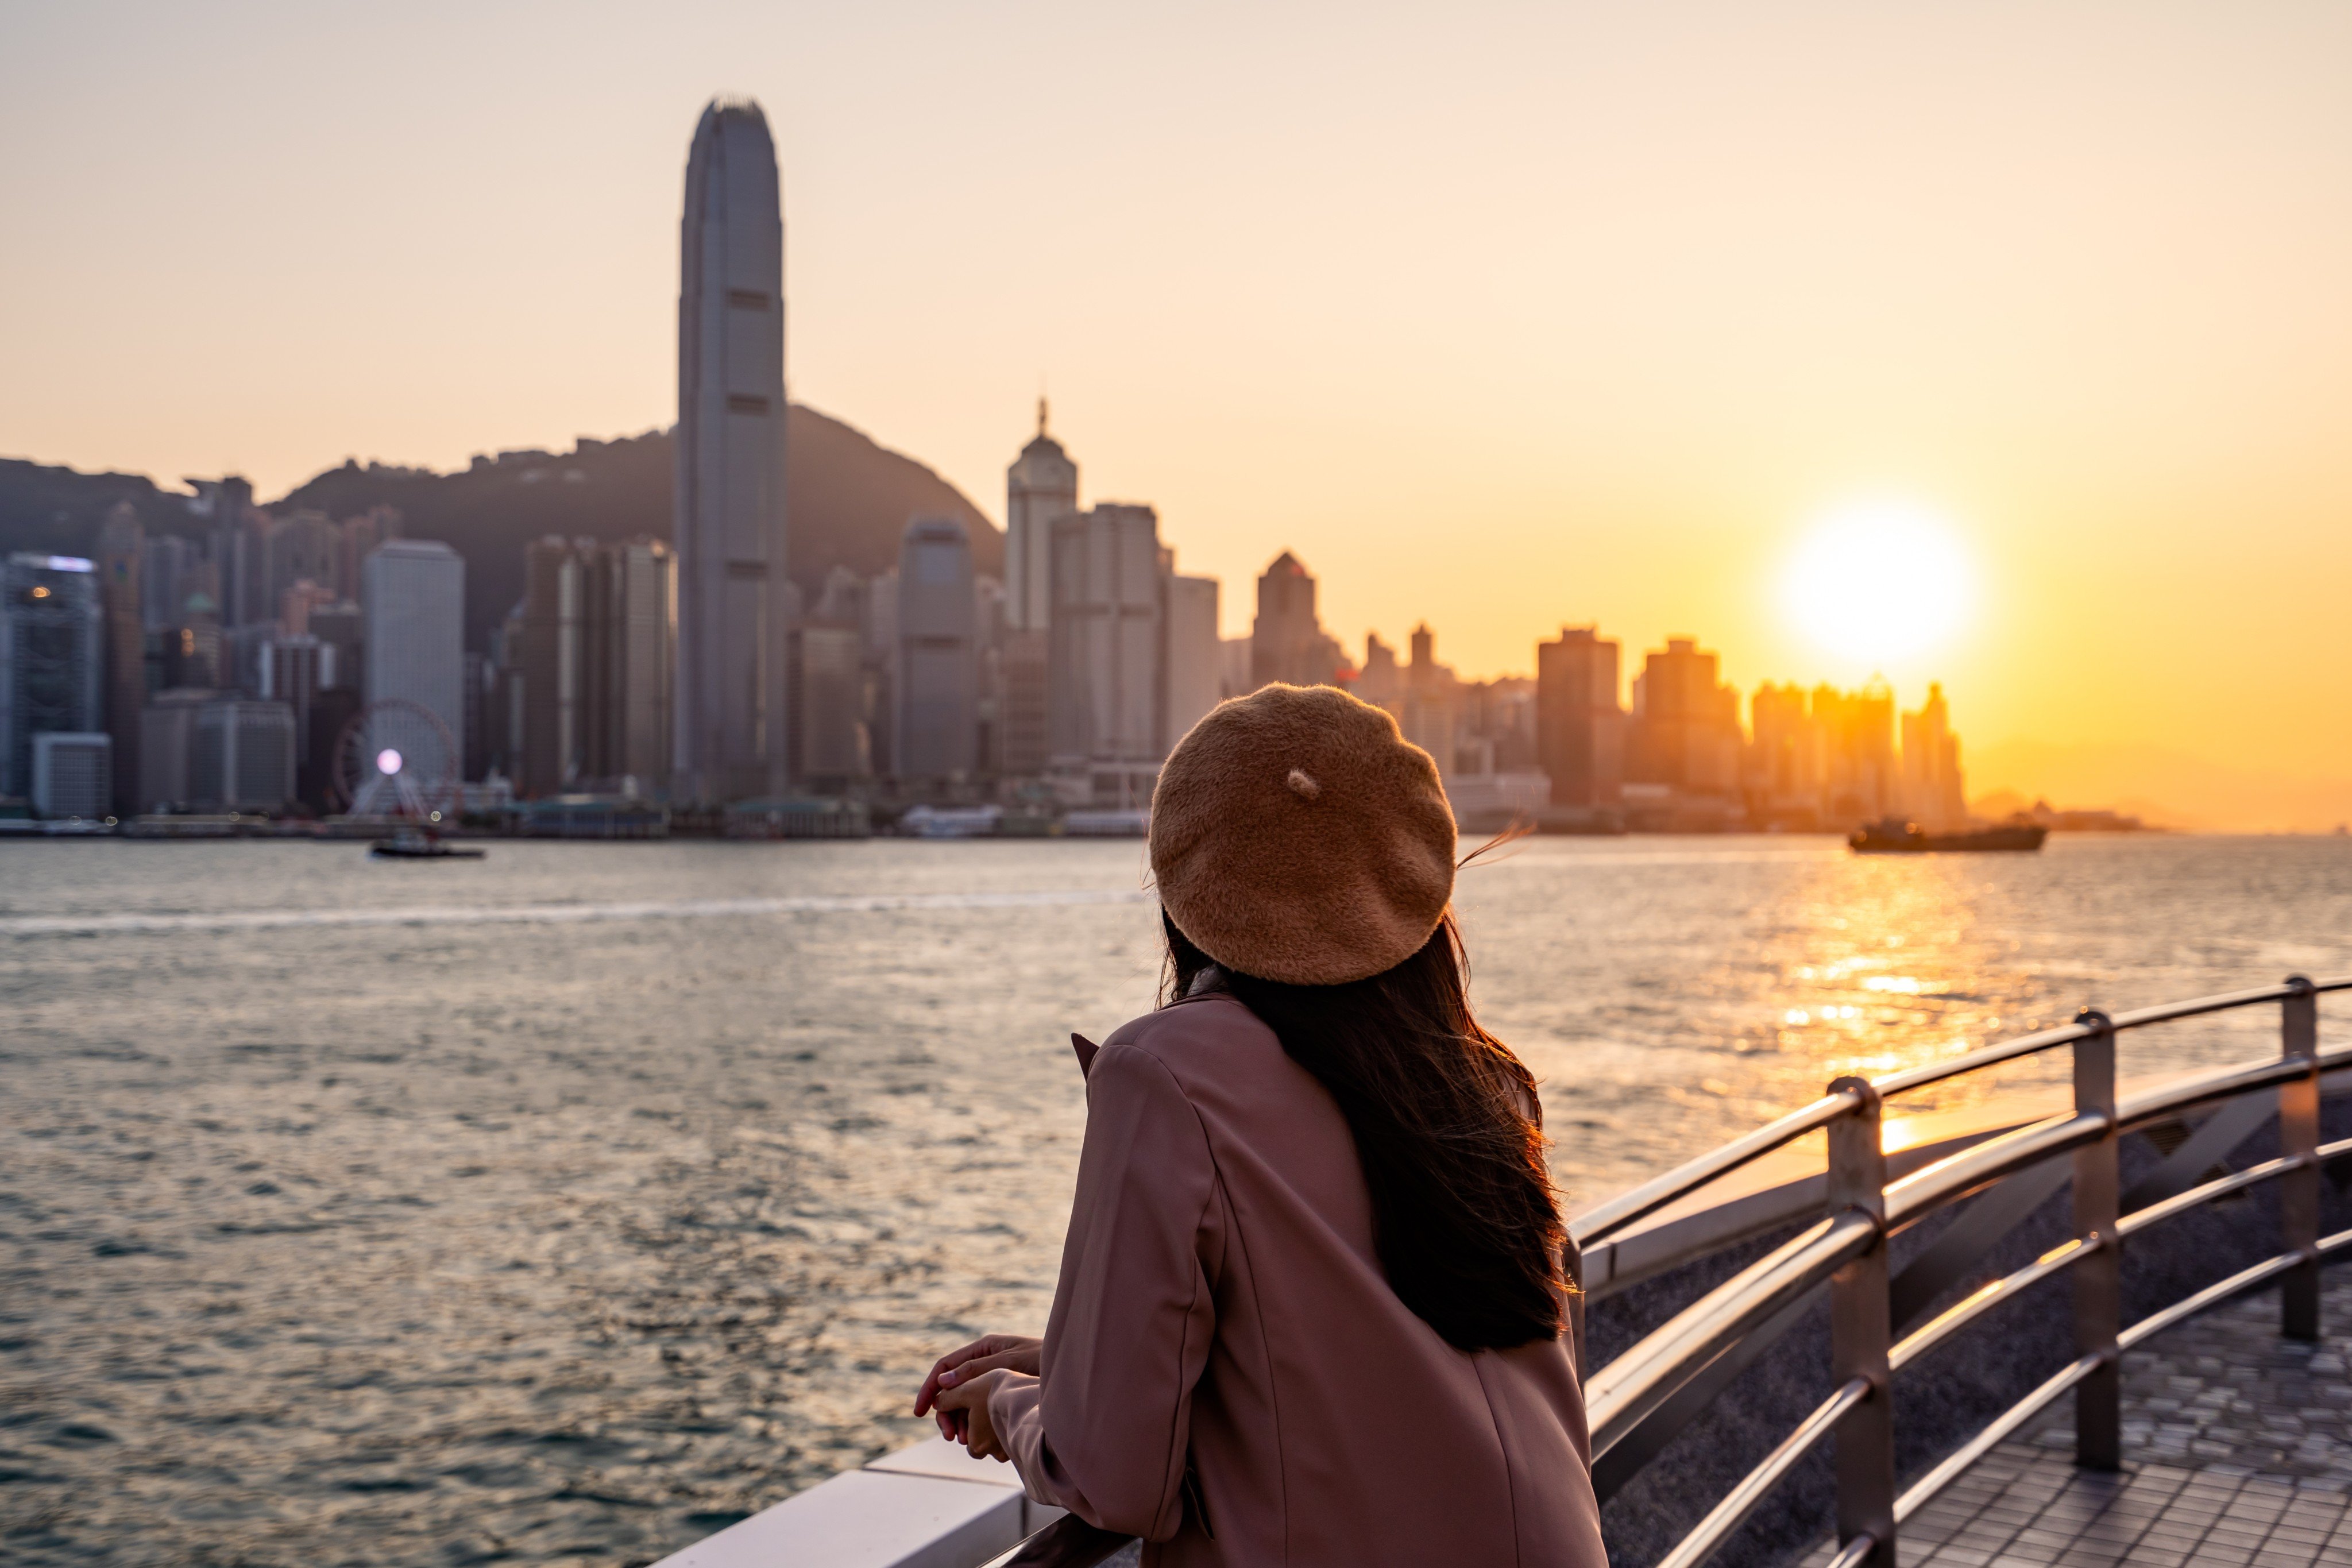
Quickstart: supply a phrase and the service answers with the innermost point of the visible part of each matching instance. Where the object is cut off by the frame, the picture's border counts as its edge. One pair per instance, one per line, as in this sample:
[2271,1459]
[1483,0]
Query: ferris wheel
[395,758]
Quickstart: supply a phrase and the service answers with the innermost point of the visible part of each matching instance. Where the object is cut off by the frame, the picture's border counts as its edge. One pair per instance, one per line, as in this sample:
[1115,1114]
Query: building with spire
[731,532]
[1041,486]
[1287,642]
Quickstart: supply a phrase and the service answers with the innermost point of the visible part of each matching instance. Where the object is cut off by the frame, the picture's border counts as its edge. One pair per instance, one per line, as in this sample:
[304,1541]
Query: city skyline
[1630,410]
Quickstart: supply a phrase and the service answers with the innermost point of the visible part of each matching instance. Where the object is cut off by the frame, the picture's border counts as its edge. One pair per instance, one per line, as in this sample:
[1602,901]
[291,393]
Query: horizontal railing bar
[2213,1295]
[1626,1459]
[1598,1224]
[1932,1186]
[1854,1553]
[2335,1151]
[1709,1536]
[1988,1056]
[2139,1220]
[1961,1313]
[2066,1034]
[2197,1006]
[1925,1488]
[1606,1219]
[2221,1083]
[1620,1394]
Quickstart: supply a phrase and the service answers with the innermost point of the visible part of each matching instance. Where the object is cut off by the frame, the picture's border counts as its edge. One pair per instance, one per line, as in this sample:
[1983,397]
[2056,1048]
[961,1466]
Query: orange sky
[1502,317]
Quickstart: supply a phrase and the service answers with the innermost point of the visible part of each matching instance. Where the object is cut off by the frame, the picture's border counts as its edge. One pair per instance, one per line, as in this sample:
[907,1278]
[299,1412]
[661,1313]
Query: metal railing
[1637,1403]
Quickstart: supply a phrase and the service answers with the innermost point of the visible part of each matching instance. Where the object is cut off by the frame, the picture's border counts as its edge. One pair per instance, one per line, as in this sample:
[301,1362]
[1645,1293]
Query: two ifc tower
[729,506]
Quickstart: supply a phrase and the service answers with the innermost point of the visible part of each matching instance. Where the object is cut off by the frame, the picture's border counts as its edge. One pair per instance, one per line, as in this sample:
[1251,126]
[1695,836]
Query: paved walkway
[2237,1451]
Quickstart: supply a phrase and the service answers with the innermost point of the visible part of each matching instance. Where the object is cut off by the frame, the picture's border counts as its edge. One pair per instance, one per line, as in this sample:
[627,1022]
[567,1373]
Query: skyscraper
[1106,635]
[938,668]
[1932,783]
[413,606]
[52,658]
[361,535]
[1857,733]
[1429,701]
[304,548]
[166,566]
[121,548]
[588,663]
[1041,485]
[631,646]
[1196,667]
[1685,728]
[1288,643]
[553,665]
[729,519]
[241,755]
[1579,729]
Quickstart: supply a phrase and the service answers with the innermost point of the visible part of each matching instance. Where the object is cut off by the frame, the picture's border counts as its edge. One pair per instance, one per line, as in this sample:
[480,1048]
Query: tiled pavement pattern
[2237,1450]
[2024,1505]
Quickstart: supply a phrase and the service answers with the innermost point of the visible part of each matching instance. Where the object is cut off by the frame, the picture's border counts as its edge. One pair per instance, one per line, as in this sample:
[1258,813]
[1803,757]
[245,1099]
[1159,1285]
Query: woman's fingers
[1012,1351]
[1009,1360]
[987,1345]
[968,1403]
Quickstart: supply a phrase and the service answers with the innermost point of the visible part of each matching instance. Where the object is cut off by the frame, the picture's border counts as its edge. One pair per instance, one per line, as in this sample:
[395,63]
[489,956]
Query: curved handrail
[1650,1370]
[1599,1223]
[1619,1396]
[1605,1219]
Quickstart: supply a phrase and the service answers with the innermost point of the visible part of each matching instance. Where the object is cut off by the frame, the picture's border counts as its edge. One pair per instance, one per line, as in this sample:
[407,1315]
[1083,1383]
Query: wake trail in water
[555,914]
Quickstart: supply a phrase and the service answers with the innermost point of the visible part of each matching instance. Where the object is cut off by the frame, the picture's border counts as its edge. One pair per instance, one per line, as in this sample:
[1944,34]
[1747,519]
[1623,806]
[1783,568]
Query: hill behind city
[850,499]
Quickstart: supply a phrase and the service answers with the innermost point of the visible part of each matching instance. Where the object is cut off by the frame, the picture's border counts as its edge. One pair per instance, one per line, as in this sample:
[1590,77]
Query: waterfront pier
[2093,1330]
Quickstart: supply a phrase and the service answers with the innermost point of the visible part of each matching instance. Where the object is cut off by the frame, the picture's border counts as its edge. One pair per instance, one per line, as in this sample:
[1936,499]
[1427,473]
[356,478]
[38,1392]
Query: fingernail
[946,1380]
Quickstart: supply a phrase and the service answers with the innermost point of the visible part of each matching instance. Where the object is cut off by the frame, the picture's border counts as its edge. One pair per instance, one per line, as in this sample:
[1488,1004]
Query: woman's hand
[967,1406]
[987,1354]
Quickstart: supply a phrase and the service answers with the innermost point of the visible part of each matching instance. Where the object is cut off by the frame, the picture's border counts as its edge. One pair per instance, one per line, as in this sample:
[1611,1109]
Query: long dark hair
[1447,1126]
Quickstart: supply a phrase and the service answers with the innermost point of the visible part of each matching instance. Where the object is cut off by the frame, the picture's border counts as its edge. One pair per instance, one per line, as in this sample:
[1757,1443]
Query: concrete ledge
[927,1506]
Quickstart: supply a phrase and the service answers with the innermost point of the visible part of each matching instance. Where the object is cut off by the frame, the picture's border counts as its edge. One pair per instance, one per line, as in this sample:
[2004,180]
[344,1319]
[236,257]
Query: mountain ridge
[848,500]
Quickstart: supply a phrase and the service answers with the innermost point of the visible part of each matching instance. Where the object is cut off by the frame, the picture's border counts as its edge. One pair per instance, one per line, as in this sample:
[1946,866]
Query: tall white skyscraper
[413,601]
[1041,486]
[731,633]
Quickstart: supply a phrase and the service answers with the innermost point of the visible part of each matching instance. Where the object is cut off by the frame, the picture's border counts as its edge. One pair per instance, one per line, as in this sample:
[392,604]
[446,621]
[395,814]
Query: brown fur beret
[1296,836]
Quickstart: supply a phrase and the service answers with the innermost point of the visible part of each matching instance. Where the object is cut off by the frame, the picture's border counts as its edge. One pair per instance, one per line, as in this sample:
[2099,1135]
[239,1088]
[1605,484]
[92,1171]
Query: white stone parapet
[929,1505]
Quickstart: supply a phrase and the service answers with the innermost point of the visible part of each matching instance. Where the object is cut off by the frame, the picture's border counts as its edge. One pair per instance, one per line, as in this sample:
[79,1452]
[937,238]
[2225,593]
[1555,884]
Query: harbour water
[565,1205]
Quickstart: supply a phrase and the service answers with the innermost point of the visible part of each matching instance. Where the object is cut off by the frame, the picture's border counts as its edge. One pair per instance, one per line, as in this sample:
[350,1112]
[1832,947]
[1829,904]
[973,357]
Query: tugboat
[1896,836]
[414,844]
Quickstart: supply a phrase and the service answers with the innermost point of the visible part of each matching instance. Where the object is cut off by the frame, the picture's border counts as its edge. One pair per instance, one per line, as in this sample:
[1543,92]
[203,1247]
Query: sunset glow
[1880,580]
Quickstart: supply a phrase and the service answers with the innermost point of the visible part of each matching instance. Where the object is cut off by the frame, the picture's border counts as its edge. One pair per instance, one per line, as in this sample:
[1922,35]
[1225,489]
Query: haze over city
[1497,320]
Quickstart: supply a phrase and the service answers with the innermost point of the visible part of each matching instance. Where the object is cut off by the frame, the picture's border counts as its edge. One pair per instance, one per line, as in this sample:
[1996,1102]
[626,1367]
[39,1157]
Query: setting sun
[1879,581]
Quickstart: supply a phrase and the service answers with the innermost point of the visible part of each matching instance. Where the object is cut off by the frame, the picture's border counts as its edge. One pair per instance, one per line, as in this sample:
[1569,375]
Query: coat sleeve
[1104,1431]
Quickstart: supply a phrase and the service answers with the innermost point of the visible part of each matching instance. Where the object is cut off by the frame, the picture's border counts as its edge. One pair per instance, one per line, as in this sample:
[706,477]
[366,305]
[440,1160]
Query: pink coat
[1226,1372]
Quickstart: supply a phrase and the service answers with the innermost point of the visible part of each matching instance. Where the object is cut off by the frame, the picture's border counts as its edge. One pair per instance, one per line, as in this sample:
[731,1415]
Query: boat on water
[409,844]
[1894,837]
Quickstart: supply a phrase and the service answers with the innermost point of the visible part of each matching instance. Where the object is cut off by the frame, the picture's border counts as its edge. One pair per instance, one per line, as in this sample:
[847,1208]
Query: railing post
[2098,1277]
[1575,1311]
[2299,1138]
[1860,1334]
